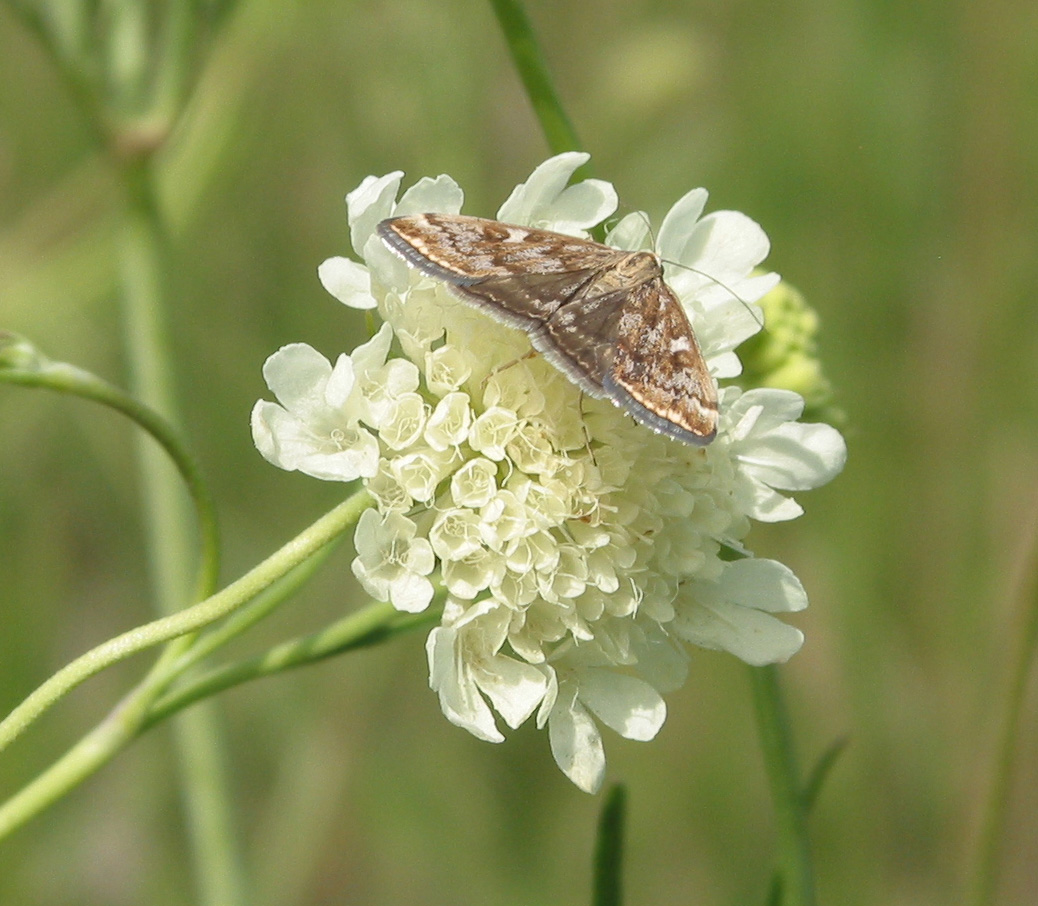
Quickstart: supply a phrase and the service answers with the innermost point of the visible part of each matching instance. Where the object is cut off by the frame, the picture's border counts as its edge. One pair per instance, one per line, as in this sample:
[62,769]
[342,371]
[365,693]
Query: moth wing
[633,344]
[526,302]
[464,250]
[578,338]
[657,372]
[520,275]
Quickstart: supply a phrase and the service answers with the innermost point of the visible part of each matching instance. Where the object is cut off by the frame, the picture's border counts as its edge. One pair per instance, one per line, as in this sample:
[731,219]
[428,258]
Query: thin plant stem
[608,877]
[70,57]
[528,59]
[989,847]
[368,626]
[189,620]
[81,761]
[168,532]
[812,789]
[102,743]
[255,610]
[22,364]
[794,852]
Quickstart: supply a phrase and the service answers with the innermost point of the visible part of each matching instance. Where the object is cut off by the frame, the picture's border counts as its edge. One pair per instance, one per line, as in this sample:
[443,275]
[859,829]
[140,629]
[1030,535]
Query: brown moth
[602,316]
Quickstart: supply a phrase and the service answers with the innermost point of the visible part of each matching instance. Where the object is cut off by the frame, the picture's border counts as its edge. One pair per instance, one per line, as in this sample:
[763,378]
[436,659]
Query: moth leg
[529,355]
[583,427]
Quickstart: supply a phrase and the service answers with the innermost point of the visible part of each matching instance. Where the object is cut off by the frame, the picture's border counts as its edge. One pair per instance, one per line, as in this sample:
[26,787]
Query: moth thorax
[639,266]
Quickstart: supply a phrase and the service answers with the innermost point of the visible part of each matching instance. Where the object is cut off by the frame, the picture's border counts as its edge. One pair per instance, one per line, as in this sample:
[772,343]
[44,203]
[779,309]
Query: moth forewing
[602,316]
[657,371]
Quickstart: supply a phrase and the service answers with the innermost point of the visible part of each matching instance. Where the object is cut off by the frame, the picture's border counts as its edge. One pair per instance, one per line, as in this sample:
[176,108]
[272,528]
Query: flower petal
[347,281]
[541,188]
[515,689]
[266,420]
[579,207]
[679,225]
[766,504]
[297,375]
[630,233]
[769,408]
[751,635]
[338,388]
[728,244]
[576,745]
[762,584]
[368,204]
[624,703]
[459,698]
[545,200]
[410,593]
[372,354]
[798,457]
[441,195]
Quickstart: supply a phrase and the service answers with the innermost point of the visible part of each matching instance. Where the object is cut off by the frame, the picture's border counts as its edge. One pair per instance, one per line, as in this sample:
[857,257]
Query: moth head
[639,266]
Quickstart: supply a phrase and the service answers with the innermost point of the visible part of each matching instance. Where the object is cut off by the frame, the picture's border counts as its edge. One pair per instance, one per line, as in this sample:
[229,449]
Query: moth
[602,316]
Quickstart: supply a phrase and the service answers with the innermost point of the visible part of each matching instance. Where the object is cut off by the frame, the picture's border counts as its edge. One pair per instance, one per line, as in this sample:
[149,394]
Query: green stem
[21,364]
[794,852]
[70,52]
[185,621]
[99,54]
[526,54]
[126,721]
[254,611]
[145,331]
[608,886]
[368,626]
[167,530]
[92,752]
[989,847]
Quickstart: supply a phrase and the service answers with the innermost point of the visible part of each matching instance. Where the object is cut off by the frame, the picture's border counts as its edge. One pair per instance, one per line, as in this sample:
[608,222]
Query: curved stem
[189,620]
[126,721]
[99,54]
[90,753]
[794,852]
[23,365]
[95,749]
[254,611]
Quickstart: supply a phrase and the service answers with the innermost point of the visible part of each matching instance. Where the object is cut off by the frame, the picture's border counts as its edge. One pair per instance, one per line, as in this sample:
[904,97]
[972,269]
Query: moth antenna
[759,321]
[648,228]
[731,292]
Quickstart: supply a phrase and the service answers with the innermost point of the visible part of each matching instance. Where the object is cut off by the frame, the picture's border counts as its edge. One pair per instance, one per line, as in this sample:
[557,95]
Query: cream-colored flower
[316,425]
[579,552]
[392,564]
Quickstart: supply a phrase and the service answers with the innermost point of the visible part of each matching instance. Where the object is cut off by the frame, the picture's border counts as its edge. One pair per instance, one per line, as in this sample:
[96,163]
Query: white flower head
[578,552]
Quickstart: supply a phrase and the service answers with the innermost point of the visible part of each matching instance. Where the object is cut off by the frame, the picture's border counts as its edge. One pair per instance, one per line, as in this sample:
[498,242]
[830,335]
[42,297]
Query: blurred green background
[890,152]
